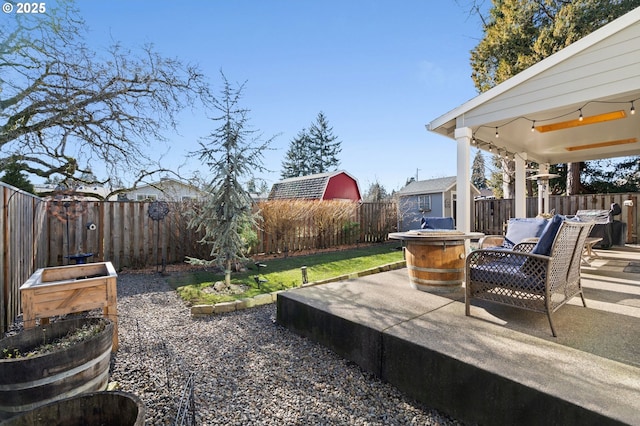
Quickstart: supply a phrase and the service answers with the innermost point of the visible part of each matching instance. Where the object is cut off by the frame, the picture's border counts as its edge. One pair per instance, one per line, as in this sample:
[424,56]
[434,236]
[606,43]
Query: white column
[463,183]
[521,187]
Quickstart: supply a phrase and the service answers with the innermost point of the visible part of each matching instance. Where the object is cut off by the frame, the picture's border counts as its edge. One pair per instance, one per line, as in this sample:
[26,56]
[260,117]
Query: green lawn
[283,273]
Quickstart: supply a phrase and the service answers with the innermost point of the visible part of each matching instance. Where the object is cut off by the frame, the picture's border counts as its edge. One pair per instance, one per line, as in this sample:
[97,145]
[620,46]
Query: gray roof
[429,186]
[310,187]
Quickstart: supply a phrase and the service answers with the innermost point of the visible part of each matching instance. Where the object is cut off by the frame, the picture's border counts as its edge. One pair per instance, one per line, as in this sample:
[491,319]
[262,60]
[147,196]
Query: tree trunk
[574,186]
[508,183]
[227,273]
[529,183]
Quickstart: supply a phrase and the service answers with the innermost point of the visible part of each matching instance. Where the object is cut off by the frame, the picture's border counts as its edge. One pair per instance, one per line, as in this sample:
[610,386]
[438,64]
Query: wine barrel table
[435,258]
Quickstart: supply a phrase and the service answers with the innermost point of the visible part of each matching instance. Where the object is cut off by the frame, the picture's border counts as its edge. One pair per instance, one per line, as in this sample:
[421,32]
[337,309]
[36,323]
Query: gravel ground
[241,368]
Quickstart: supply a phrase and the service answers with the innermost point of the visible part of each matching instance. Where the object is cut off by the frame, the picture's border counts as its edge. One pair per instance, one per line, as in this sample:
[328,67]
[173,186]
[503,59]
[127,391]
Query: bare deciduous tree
[65,107]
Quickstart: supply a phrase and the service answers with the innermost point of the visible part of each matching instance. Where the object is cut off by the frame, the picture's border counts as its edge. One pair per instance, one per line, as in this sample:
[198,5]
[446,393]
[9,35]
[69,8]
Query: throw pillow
[520,228]
[545,243]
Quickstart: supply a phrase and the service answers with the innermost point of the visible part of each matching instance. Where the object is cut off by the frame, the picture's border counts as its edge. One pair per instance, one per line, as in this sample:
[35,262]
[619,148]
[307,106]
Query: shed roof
[429,186]
[311,187]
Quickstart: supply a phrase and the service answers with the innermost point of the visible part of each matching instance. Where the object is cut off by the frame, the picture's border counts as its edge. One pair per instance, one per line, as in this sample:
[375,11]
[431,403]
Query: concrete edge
[268,298]
[441,380]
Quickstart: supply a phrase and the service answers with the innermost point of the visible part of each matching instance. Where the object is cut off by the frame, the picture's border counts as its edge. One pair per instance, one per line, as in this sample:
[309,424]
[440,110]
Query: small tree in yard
[233,152]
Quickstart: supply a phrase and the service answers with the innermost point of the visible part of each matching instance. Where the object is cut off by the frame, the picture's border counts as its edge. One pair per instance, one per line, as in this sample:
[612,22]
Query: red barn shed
[338,185]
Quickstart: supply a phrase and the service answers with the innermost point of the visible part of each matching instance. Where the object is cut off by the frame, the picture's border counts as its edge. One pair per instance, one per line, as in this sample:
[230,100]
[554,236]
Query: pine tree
[296,162]
[478,177]
[324,146]
[313,151]
[233,154]
[14,176]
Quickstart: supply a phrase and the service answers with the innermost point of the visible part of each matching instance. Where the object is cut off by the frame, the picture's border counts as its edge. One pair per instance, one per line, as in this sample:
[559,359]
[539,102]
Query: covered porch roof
[576,105]
[599,74]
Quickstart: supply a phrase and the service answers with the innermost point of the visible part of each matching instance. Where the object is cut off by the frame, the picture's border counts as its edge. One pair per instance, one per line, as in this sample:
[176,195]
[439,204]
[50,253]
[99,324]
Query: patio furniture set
[534,266]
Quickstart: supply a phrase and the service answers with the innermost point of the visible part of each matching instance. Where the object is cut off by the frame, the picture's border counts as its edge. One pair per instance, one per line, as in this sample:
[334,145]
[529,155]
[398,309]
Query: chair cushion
[548,236]
[520,228]
[506,272]
[437,223]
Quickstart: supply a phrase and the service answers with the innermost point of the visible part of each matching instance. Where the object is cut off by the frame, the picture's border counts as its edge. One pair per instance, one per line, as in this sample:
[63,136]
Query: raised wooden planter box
[68,289]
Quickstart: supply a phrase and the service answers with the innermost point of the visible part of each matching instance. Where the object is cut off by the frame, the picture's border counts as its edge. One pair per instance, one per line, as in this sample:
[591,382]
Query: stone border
[267,298]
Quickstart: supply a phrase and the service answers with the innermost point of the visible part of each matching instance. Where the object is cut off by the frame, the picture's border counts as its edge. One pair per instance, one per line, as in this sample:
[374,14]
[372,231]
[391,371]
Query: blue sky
[379,70]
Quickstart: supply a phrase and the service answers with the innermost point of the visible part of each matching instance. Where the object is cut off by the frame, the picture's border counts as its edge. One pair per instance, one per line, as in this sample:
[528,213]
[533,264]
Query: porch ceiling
[550,143]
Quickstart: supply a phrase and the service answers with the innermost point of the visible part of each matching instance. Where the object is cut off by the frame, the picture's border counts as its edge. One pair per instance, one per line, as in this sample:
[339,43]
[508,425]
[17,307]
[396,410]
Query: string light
[632,111]
[504,154]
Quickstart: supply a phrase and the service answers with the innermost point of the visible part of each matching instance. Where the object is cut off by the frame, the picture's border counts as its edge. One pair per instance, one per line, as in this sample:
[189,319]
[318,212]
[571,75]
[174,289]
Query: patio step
[499,366]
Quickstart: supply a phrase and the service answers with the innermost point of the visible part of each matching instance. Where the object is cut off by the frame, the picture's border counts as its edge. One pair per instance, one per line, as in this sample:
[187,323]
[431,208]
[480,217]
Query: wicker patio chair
[541,280]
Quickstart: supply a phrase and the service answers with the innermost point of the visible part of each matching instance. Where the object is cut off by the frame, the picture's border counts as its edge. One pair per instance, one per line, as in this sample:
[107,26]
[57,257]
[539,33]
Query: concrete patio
[499,366]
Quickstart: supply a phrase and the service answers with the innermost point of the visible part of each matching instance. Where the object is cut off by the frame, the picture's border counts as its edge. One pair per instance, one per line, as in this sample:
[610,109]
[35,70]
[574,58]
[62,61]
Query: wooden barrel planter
[30,382]
[95,408]
[435,266]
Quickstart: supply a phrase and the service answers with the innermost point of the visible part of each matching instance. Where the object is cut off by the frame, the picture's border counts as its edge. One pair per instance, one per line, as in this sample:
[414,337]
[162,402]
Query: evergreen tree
[313,151]
[324,146]
[233,153]
[14,176]
[478,177]
[520,33]
[296,162]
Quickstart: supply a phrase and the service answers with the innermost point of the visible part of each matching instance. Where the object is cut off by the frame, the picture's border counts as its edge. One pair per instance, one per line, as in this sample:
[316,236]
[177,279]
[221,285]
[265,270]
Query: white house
[89,192]
[167,189]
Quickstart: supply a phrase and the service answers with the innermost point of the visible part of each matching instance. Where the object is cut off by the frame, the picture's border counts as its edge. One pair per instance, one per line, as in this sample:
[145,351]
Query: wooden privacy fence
[124,234]
[38,233]
[22,246]
[492,215]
